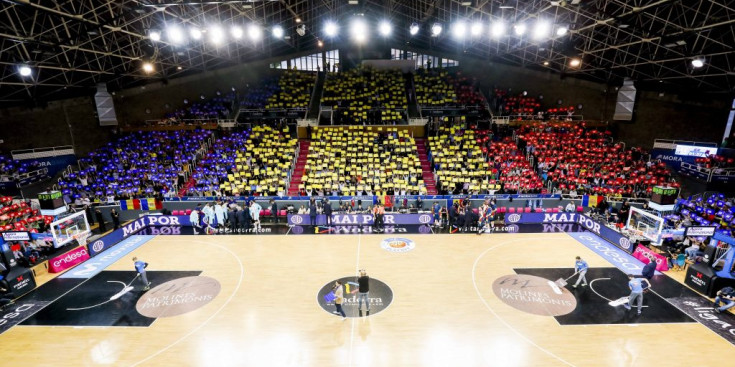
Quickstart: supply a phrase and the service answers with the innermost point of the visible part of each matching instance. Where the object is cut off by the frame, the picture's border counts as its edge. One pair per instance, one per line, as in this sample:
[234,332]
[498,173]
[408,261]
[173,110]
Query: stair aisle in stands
[427,172]
[298,172]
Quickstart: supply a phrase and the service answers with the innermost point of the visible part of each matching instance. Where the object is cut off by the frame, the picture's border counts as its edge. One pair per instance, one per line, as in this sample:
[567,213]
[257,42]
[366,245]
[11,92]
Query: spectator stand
[361,161]
[254,162]
[364,96]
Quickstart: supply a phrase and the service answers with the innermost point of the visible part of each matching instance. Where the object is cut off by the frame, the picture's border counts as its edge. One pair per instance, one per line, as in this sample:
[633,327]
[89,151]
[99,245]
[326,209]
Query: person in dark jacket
[274,211]
[115,218]
[328,212]
[649,269]
[100,220]
[312,212]
[248,218]
[241,214]
[232,219]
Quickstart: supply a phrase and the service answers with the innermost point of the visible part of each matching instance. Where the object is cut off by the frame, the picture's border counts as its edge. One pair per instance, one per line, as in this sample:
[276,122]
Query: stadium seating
[19,216]
[714,209]
[366,96]
[576,158]
[357,160]
[433,88]
[218,107]
[141,164]
[256,162]
[458,162]
[256,96]
[439,87]
[294,90]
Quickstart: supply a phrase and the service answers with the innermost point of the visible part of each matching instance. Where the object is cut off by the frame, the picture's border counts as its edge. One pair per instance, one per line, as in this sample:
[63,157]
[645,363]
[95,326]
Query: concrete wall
[25,128]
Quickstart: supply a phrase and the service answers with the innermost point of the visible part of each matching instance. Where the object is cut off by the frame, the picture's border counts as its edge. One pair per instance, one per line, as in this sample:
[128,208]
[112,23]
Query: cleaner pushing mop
[581,267]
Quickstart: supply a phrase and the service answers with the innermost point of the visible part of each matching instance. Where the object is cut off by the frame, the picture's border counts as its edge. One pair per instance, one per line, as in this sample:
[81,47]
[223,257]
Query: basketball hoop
[81,237]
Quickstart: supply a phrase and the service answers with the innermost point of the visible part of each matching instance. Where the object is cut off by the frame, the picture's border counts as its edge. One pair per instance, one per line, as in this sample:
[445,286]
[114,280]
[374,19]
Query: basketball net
[81,237]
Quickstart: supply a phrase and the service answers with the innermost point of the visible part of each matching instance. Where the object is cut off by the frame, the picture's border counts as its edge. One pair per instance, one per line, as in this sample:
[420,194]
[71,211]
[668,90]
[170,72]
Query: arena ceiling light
[330,29]
[575,62]
[476,29]
[236,32]
[24,70]
[698,62]
[175,35]
[359,30]
[459,29]
[154,35]
[497,29]
[216,35]
[195,33]
[148,67]
[385,28]
[278,32]
[436,29]
[254,32]
[541,29]
[519,29]
[414,28]
[562,30]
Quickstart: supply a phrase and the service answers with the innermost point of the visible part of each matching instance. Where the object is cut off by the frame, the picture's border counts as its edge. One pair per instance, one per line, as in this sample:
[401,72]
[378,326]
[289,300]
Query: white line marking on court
[593,288]
[237,288]
[357,267]
[474,282]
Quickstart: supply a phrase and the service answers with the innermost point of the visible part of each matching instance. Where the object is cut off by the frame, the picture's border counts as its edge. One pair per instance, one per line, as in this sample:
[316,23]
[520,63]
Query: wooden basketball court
[443,313]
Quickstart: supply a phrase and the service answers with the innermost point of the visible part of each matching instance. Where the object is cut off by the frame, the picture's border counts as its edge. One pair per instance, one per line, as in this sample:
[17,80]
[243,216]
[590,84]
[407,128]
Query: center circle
[535,295]
[178,296]
[380,296]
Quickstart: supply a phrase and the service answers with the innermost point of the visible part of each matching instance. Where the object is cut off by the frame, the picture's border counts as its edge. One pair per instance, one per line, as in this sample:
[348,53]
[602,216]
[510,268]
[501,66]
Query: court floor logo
[178,296]
[379,297]
[396,244]
[534,295]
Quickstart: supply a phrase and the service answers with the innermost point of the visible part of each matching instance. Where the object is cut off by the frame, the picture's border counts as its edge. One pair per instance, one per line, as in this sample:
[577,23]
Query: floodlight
[476,29]
[414,29]
[698,62]
[519,29]
[216,35]
[436,29]
[497,30]
[575,62]
[155,36]
[278,31]
[195,33]
[359,30]
[254,32]
[147,67]
[330,29]
[459,29]
[541,29]
[175,35]
[24,70]
[385,28]
[236,32]
[562,30]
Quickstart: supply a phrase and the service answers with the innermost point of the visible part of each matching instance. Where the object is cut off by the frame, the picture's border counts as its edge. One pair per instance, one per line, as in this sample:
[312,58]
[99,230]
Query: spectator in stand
[570,208]
[115,218]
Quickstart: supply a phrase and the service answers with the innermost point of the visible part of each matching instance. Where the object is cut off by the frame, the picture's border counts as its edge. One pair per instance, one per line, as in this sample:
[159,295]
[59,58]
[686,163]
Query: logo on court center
[397,244]
[296,219]
[532,294]
[380,296]
[98,246]
[514,218]
[624,243]
[178,296]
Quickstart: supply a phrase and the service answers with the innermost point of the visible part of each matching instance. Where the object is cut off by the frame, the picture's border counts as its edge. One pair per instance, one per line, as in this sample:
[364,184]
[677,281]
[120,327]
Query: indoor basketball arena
[367,183]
